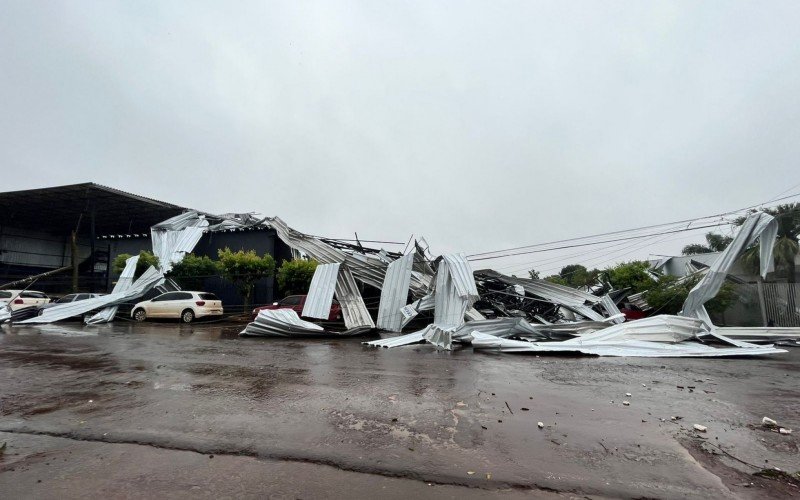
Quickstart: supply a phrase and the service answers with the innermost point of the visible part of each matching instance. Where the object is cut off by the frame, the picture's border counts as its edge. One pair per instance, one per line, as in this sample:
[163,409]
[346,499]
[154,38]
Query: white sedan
[17,299]
[185,306]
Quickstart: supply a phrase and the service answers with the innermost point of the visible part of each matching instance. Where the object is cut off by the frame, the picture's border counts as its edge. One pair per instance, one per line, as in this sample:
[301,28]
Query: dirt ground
[171,411]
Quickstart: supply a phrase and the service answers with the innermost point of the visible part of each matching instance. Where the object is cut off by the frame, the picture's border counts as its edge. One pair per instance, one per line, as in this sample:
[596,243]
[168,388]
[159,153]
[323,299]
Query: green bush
[146,259]
[192,271]
[243,269]
[294,276]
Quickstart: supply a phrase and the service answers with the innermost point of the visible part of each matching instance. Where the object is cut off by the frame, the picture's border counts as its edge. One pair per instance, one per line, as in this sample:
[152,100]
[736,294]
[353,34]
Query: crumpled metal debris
[758,226]
[58,312]
[286,323]
[280,323]
[658,336]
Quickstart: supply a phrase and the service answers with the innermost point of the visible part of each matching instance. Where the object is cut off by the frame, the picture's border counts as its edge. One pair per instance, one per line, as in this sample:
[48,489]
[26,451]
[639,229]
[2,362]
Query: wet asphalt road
[137,411]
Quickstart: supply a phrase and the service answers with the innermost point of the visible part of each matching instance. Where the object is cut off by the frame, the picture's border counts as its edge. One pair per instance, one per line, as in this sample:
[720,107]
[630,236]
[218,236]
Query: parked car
[17,299]
[185,306]
[296,303]
[73,297]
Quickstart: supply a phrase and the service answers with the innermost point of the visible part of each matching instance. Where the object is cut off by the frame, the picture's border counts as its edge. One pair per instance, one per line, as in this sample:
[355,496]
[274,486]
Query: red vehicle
[296,302]
[632,312]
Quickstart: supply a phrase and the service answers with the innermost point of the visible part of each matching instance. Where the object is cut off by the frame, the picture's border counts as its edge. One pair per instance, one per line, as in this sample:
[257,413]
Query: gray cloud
[481,125]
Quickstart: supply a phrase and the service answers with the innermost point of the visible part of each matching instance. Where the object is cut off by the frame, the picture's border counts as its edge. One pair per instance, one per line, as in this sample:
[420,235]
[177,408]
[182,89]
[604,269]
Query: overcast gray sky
[480,125]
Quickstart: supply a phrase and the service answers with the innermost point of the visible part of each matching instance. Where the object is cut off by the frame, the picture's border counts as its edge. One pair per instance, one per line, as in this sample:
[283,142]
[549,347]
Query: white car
[17,299]
[185,306]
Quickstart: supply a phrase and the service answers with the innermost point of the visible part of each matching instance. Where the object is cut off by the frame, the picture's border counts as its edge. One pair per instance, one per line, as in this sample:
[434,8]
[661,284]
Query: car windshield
[66,298]
[5,295]
[208,296]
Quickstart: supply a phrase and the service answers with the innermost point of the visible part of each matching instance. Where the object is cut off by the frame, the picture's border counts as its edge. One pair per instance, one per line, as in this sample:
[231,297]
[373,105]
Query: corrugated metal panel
[317,250]
[411,338]
[367,269]
[280,323]
[71,309]
[559,294]
[758,226]
[462,276]
[353,308]
[174,238]
[499,327]
[124,282]
[320,293]
[394,293]
[666,337]
[760,333]
[440,337]
[454,292]
[612,309]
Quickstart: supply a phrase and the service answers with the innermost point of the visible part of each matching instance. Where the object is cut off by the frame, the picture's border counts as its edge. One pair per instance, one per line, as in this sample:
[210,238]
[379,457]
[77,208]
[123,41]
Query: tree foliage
[634,275]
[533,274]
[294,276]
[192,271]
[146,259]
[714,243]
[558,280]
[669,293]
[577,276]
[243,269]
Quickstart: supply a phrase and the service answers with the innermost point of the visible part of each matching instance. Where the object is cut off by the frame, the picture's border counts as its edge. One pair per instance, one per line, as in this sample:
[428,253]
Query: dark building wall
[30,251]
[263,241]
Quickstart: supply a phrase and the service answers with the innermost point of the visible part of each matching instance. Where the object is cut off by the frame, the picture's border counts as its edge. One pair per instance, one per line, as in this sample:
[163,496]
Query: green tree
[717,242]
[634,275]
[558,280]
[192,271]
[577,276]
[714,243]
[244,269]
[669,293]
[294,276]
[534,274]
[146,259]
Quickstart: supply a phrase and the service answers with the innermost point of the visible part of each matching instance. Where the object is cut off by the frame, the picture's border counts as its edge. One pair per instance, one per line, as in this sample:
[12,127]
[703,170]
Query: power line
[591,243]
[642,228]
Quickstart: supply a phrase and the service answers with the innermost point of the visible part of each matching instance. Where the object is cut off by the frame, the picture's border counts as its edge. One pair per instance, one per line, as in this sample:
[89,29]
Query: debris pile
[483,309]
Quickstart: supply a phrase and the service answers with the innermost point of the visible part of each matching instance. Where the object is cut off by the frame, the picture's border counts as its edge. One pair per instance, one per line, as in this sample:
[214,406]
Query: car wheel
[140,315]
[41,311]
[187,316]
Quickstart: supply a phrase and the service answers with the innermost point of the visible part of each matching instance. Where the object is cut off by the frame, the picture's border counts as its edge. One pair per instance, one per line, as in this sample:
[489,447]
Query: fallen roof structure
[660,336]
[533,315]
[286,323]
[758,226]
[58,312]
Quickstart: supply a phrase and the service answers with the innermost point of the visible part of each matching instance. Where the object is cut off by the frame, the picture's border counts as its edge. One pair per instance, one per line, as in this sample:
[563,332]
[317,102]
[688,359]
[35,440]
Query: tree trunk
[246,299]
